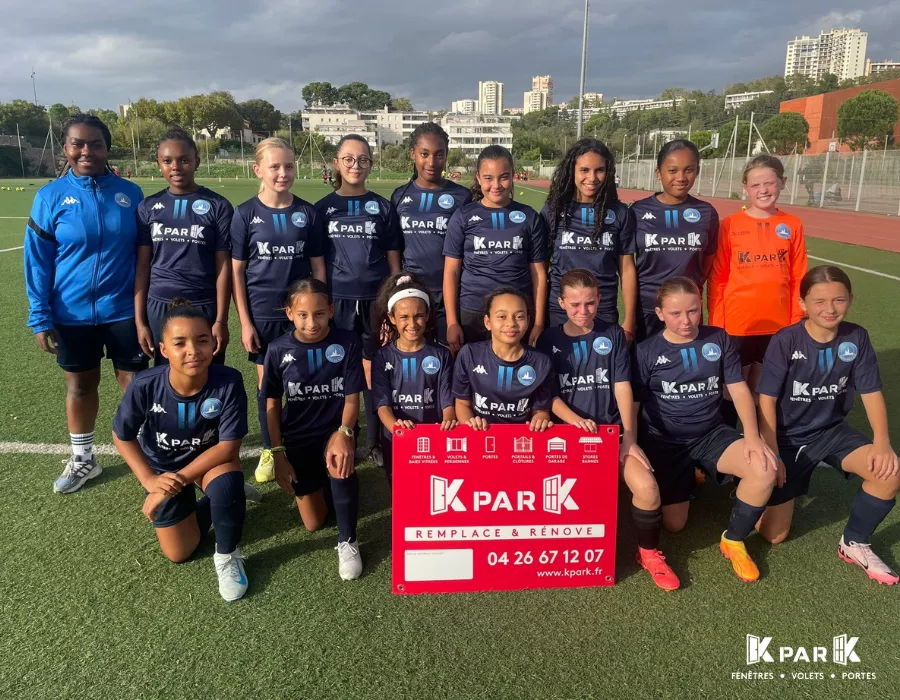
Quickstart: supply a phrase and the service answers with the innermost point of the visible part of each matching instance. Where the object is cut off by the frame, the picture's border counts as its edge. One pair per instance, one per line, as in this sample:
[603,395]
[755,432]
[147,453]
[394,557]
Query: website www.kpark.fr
[571,573]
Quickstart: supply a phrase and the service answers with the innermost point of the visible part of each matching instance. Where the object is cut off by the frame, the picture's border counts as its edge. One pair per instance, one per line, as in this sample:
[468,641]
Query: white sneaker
[349,561]
[377,455]
[863,556]
[76,474]
[251,493]
[232,577]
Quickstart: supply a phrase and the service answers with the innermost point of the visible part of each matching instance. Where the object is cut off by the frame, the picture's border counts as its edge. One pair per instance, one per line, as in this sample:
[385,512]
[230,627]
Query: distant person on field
[80,245]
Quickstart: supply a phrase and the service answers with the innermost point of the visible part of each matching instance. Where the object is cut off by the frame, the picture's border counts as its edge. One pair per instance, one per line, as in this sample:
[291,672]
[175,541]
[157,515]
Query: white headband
[408,294]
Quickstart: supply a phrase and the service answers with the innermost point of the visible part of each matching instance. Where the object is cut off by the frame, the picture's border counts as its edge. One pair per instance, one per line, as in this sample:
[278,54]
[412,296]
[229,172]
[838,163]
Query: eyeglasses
[362,161]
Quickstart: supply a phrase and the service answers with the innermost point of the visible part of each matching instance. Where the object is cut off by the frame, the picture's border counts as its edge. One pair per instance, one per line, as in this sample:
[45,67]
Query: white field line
[854,267]
[7,250]
[65,449]
[24,218]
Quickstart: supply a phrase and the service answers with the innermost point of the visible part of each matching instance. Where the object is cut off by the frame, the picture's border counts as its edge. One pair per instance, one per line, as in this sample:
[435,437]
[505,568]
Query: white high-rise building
[464,106]
[471,133]
[593,99]
[490,97]
[875,67]
[535,101]
[543,83]
[840,52]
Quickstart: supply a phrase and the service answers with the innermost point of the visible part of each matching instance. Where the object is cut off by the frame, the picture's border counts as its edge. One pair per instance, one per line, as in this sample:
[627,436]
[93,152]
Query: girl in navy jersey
[492,242]
[676,234]
[181,424]
[318,370]
[362,249]
[501,380]
[411,375]
[591,229]
[422,210]
[593,367]
[184,247]
[680,379]
[276,238]
[810,373]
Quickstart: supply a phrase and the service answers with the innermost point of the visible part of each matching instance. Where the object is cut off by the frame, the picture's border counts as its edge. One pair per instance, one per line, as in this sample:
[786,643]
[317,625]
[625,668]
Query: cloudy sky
[103,54]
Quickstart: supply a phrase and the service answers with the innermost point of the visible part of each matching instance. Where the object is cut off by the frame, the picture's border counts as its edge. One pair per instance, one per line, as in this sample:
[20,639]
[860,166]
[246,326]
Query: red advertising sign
[503,509]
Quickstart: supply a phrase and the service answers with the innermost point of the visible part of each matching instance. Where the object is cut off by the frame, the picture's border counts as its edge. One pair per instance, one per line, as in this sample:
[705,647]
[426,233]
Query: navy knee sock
[866,514]
[345,493]
[263,424]
[204,516]
[228,506]
[648,524]
[373,422]
[743,520]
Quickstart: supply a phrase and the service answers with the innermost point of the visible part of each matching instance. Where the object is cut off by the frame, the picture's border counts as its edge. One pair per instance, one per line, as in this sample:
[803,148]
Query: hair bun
[179,302]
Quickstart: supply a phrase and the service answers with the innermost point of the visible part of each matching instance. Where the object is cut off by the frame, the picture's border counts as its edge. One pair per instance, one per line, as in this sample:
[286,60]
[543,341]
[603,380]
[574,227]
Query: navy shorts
[267,332]
[175,509]
[308,461]
[832,447]
[356,315]
[646,325]
[81,348]
[472,323]
[752,348]
[674,464]
[156,311]
[440,317]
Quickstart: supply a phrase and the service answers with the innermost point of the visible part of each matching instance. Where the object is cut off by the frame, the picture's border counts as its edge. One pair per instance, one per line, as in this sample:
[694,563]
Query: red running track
[871,230]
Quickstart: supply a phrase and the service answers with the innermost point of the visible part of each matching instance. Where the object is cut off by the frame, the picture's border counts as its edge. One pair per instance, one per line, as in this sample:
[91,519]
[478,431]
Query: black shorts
[267,332]
[308,461]
[646,325]
[440,317]
[156,311]
[175,509]
[356,315]
[674,464]
[752,348]
[81,348]
[831,447]
[556,316]
[472,323]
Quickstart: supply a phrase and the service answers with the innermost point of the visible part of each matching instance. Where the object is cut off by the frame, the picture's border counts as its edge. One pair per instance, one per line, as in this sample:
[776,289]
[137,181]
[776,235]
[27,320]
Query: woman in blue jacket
[80,256]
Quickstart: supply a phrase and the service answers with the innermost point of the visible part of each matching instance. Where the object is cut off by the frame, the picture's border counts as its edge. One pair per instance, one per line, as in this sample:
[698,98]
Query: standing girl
[80,244]
[676,233]
[591,229]
[810,374]
[492,242]
[318,370]
[276,238]
[422,210]
[181,424]
[184,247]
[411,375]
[501,380]
[593,367]
[680,379]
[361,251]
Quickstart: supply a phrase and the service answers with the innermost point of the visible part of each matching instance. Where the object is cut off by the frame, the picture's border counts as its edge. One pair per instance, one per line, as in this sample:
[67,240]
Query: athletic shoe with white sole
[265,470]
[376,455]
[231,573]
[76,474]
[863,556]
[251,493]
[349,562]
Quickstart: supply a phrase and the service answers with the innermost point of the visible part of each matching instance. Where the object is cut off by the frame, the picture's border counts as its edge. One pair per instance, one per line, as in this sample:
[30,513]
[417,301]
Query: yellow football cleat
[265,470]
[740,560]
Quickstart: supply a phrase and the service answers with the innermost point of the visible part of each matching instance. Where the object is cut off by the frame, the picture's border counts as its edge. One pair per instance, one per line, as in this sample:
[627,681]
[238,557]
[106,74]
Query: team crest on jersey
[431,365]
[610,217]
[373,208]
[445,201]
[517,217]
[122,200]
[711,352]
[692,216]
[602,345]
[298,218]
[334,353]
[211,408]
[847,352]
[525,375]
[783,231]
[201,207]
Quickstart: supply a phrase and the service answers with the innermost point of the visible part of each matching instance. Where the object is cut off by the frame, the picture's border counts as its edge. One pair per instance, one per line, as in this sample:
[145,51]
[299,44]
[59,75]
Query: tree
[31,120]
[107,116]
[294,120]
[58,113]
[261,114]
[402,104]
[360,96]
[828,83]
[218,110]
[319,94]
[147,109]
[867,119]
[673,93]
[785,131]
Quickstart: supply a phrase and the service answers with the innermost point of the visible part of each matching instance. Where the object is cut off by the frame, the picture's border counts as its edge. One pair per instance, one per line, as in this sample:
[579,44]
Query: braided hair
[563,190]
[86,120]
[176,133]
[425,129]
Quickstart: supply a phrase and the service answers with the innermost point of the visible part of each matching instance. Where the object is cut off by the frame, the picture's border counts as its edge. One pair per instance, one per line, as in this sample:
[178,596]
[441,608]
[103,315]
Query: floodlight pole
[584,38]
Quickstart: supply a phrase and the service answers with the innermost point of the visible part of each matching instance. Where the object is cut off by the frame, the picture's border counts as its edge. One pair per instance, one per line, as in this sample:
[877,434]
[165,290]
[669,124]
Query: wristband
[276,450]
[344,430]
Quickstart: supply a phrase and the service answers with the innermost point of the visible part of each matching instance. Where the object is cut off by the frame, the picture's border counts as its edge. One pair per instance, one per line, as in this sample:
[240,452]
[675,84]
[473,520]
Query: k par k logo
[842,651]
[557,496]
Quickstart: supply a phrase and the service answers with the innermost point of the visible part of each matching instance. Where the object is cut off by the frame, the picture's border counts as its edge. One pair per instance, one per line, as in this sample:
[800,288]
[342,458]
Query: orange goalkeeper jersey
[754,284]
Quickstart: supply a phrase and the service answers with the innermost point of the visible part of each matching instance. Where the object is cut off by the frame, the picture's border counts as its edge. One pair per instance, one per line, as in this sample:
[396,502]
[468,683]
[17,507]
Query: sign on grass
[503,509]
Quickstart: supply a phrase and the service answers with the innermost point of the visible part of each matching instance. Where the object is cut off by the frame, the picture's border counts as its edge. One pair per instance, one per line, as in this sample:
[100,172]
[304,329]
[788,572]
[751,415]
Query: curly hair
[387,331]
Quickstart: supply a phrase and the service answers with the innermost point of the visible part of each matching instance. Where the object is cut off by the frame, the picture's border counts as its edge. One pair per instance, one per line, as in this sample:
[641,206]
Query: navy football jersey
[814,382]
[314,378]
[588,367]
[680,385]
[276,244]
[173,430]
[359,235]
[416,386]
[496,246]
[421,218]
[671,241]
[574,246]
[503,392]
[185,232]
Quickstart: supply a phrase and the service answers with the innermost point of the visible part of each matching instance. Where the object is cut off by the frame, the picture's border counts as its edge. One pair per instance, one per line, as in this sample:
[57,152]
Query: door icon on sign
[490,445]
[556,445]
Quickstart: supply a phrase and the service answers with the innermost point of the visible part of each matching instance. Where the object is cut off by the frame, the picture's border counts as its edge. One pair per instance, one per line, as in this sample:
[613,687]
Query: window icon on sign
[556,445]
[522,445]
[457,444]
[423,445]
[490,445]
